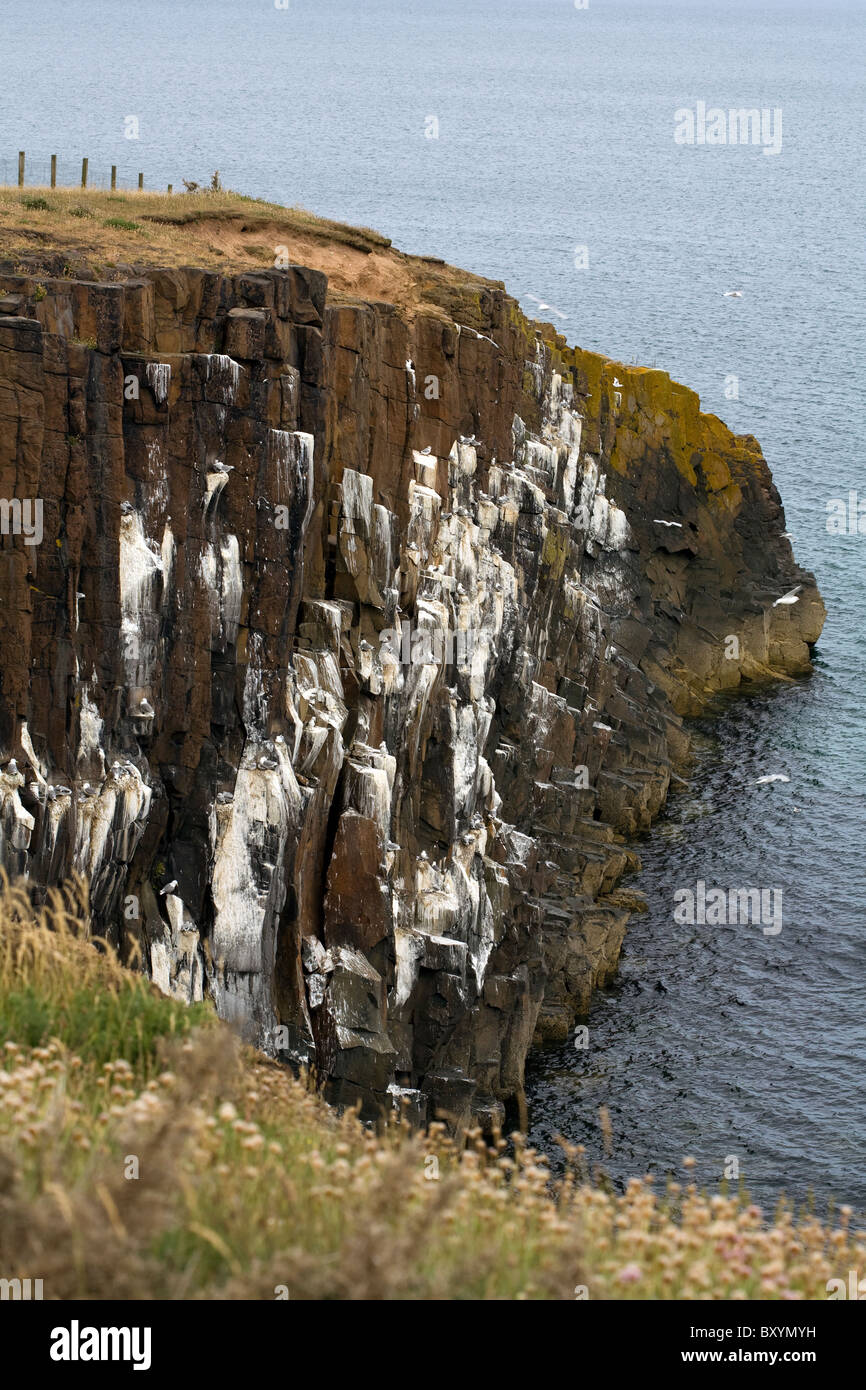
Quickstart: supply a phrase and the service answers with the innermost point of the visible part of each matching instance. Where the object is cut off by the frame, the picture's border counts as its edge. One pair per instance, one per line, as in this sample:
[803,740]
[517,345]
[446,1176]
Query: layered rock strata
[344,647]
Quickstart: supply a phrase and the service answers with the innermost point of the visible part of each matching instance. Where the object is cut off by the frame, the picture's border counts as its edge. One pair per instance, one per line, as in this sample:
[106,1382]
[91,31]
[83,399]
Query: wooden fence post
[20,168]
[54,171]
[140,182]
[84,173]
[113,177]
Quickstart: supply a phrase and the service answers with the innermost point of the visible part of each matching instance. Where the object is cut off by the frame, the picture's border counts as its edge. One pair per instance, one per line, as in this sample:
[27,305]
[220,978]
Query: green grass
[102,1026]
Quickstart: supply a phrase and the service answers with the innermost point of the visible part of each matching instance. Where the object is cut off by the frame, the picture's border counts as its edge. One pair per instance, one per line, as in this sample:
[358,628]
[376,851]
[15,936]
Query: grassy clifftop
[105,233]
[144,1155]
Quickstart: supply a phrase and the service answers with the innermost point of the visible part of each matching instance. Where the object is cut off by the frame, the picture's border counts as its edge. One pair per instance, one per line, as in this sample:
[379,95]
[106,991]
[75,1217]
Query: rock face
[352,643]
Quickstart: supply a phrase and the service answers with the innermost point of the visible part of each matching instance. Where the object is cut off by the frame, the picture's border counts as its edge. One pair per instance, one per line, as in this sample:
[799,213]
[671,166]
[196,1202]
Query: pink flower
[630,1274]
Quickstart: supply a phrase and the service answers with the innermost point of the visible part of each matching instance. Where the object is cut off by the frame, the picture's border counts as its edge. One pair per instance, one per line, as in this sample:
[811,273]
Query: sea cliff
[357,638]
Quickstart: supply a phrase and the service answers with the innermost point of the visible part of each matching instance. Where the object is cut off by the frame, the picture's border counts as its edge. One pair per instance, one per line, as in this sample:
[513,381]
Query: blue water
[555,130]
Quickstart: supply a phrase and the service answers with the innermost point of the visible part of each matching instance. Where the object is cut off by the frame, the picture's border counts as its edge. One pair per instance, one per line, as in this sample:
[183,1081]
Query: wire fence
[50,170]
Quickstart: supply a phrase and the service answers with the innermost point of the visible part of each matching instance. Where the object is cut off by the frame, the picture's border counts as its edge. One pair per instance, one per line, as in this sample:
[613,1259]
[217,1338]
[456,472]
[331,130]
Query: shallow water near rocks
[722,1041]
[556,131]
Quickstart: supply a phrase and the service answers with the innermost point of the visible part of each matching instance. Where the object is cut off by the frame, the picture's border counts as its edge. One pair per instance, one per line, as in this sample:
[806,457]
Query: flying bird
[790,597]
[772,777]
[544,307]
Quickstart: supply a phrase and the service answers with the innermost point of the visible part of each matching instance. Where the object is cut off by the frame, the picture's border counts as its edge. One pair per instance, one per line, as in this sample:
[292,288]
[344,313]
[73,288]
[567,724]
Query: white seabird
[544,306]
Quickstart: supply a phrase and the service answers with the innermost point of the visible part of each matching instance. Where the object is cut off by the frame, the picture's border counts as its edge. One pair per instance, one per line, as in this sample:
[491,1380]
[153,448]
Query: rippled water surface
[556,131]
